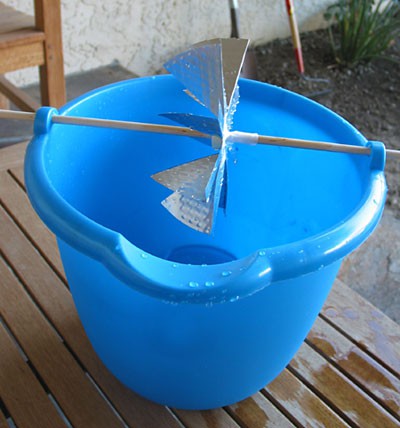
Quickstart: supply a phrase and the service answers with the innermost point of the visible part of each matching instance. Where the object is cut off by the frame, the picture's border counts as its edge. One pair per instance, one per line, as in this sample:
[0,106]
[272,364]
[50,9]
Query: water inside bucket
[199,255]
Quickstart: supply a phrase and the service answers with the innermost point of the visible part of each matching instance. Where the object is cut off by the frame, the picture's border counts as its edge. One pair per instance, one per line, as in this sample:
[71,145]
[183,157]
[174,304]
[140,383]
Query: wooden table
[347,373]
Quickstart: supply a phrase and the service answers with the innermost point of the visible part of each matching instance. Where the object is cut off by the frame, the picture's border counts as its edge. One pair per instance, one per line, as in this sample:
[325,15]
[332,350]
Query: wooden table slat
[12,156]
[368,327]
[289,391]
[382,384]
[3,420]
[17,202]
[21,391]
[338,390]
[50,357]
[18,173]
[206,418]
[347,373]
[56,302]
[258,412]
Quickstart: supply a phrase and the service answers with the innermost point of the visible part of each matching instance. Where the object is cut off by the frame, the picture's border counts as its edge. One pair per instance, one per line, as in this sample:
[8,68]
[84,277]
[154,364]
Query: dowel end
[378,155]
[43,120]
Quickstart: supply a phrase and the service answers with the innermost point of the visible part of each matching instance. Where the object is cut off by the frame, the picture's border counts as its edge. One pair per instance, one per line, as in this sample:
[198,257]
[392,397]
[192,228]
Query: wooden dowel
[314,145]
[133,126]
[393,154]
[183,131]
[17,115]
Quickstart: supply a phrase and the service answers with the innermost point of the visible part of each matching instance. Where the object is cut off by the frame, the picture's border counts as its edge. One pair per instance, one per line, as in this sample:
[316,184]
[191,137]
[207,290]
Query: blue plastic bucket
[186,319]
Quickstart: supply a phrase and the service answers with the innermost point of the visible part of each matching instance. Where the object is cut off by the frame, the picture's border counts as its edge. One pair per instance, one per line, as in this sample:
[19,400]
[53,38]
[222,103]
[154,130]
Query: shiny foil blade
[192,212]
[199,69]
[188,203]
[210,72]
[179,176]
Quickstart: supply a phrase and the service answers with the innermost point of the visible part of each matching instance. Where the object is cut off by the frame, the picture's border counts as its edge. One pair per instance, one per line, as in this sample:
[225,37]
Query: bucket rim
[174,281]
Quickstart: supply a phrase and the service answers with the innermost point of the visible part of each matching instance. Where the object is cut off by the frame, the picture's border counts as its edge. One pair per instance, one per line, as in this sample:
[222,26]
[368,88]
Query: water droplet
[301,251]
[234,299]
[262,253]
[204,265]
[226,273]
[174,265]
[209,283]
[144,256]
[193,284]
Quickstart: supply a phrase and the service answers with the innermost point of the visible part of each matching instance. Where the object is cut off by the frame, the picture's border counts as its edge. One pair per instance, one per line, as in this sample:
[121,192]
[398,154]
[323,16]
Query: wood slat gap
[107,400]
[234,417]
[37,247]
[298,401]
[3,409]
[37,305]
[360,345]
[333,388]
[54,359]
[369,327]
[177,417]
[33,299]
[281,408]
[3,420]
[258,417]
[217,417]
[259,412]
[12,156]
[38,377]
[59,410]
[25,394]
[19,175]
[353,379]
[322,397]
[14,339]
[58,301]
[17,204]
[45,315]
[16,179]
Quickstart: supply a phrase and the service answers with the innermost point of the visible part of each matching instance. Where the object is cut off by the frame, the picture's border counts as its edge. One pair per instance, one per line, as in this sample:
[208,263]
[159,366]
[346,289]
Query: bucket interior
[275,195]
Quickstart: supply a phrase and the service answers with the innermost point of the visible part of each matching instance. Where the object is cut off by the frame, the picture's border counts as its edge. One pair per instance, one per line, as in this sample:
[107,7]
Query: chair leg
[17,96]
[4,102]
[52,80]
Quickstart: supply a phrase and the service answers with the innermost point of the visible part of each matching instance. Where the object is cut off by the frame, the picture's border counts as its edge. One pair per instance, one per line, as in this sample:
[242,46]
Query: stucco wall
[142,34]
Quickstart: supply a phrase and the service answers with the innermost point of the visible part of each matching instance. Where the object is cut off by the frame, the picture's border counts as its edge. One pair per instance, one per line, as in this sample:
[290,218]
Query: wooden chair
[27,41]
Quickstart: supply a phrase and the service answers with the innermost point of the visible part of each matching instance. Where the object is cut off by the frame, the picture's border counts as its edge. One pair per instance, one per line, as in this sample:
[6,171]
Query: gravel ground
[369,97]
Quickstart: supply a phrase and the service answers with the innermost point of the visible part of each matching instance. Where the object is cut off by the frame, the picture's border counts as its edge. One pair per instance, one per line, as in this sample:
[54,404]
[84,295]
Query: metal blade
[233,54]
[210,72]
[199,69]
[197,172]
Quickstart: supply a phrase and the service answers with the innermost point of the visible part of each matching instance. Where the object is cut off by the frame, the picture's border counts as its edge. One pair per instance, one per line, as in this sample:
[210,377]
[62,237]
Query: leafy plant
[363,29]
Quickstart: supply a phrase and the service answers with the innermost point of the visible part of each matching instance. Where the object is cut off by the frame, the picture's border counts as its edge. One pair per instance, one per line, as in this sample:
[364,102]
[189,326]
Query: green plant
[363,29]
